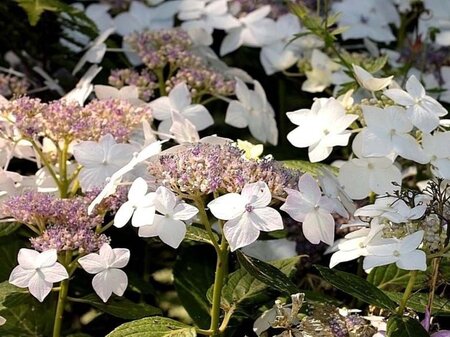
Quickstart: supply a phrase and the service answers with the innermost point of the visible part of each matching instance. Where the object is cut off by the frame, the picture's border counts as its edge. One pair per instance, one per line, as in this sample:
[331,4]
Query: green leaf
[267,274]
[419,301]
[403,326]
[120,307]
[193,275]
[357,287]
[9,248]
[392,278]
[200,235]
[153,327]
[25,316]
[9,227]
[242,288]
[308,167]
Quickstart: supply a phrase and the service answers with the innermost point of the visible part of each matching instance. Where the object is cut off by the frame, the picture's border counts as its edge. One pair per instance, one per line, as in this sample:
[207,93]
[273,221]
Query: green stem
[46,163]
[435,263]
[62,297]
[161,83]
[64,186]
[408,291]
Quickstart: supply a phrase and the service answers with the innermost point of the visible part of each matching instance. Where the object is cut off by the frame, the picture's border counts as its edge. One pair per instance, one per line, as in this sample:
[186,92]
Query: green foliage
[308,167]
[153,327]
[357,287]
[392,278]
[267,274]
[7,228]
[121,307]
[419,301]
[403,326]
[35,8]
[194,274]
[9,247]
[242,288]
[24,315]
[199,235]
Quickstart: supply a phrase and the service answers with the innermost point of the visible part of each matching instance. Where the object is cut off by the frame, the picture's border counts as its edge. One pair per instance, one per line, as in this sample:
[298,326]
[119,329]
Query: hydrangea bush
[155,179]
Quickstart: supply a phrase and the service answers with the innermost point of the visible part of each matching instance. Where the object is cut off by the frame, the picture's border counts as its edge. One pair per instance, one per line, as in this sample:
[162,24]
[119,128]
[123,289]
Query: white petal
[372,261]
[161,108]
[257,194]
[123,214]
[228,206]
[266,219]
[199,116]
[55,273]
[102,285]
[415,260]
[344,256]
[400,97]
[184,211]
[309,189]
[411,242]
[236,115]
[121,257]
[319,152]
[240,232]
[232,41]
[180,97]
[39,288]
[171,232]
[414,87]
[319,226]
[46,258]
[92,263]
[355,180]
[21,277]
[165,200]
[143,216]
[422,118]
[137,190]
[27,258]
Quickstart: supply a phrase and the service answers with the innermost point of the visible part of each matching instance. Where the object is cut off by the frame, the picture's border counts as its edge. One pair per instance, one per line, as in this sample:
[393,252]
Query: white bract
[179,100]
[360,176]
[37,272]
[128,93]
[84,86]
[367,81]
[106,266]
[320,128]
[253,110]
[423,111]
[307,205]
[247,214]
[387,132]
[169,225]
[100,160]
[320,76]
[183,130]
[437,147]
[403,252]
[139,207]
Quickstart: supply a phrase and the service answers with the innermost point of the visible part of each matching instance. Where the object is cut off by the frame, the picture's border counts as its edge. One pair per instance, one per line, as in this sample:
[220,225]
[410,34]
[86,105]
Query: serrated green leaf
[357,287]
[200,235]
[308,167]
[404,326]
[153,327]
[121,307]
[7,228]
[419,301]
[193,275]
[392,278]
[267,274]
[242,288]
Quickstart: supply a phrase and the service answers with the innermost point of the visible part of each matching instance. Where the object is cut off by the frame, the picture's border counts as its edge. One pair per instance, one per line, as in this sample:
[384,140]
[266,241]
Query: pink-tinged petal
[257,194]
[372,261]
[180,97]
[137,190]
[414,87]
[355,180]
[55,273]
[319,226]
[123,214]
[236,115]
[28,258]
[232,41]
[165,200]
[102,285]
[121,257]
[415,260]
[296,206]
[400,97]
[21,277]
[46,258]
[309,189]
[266,219]
[38,287]
[149,231]
[171,232]
[228,206]
[199,116]
[240,232]
[184,211]
[442,333]
[119,281]
[161,108]
[143,216]
[92,263]
[411,242]
[107,254]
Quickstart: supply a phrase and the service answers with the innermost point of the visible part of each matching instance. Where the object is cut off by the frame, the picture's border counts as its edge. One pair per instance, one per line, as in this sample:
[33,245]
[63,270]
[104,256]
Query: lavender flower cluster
[13,86]
[145,81]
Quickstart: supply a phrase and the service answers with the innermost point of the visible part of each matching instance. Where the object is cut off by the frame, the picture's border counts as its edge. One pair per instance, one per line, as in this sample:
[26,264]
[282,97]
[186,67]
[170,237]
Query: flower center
[249,208]
[396,253]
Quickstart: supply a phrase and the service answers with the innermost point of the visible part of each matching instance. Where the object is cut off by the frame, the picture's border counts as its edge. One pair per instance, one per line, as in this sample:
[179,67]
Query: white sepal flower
[436,147]
[129,93]
[37,272]
[308,206]
[320,128]
[247,214]
[423,110]
[367,81]
[100,160]
[139,207]
[179,100]
[169,225]
[106,265]
[403,252]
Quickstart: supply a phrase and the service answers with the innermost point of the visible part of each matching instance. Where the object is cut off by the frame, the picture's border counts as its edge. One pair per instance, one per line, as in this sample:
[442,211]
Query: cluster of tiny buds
[144,80]
[13,86]
[435,234]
